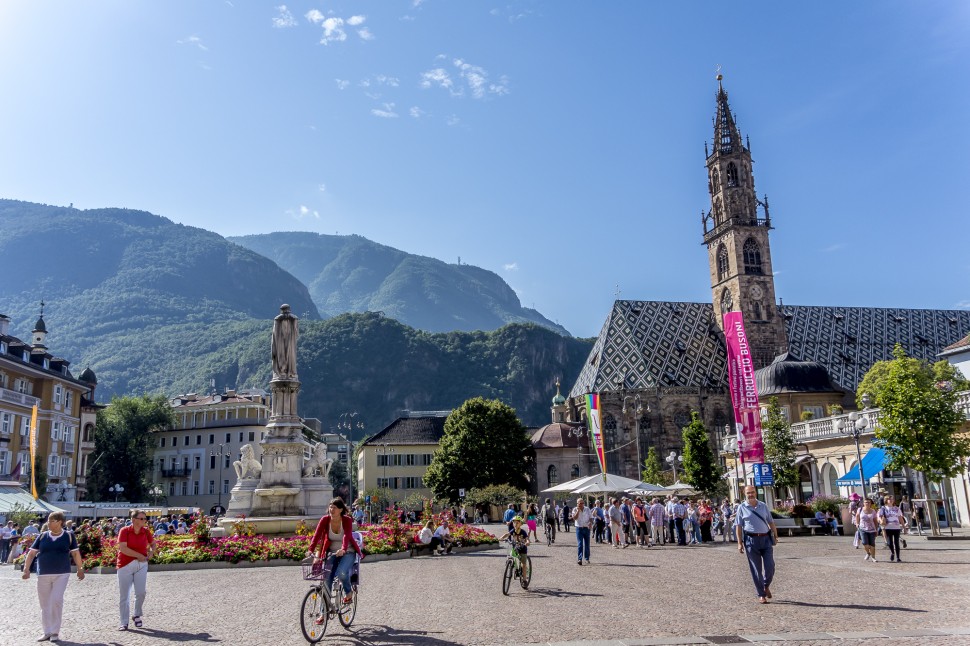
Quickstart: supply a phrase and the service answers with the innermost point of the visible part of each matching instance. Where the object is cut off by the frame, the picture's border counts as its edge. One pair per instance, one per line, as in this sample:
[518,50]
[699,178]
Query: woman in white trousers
[135,546]
[54,551]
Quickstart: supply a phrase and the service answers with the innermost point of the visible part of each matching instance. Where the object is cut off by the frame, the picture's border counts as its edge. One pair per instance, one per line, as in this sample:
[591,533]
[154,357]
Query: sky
[557,143]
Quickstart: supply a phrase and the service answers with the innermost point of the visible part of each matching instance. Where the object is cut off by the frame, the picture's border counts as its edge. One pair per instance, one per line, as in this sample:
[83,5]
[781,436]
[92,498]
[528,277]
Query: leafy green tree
[498,495]
[123,443]
[919,418]
[653,470]
[340,479]
[779,443]
[484,443]
[700,469]
[940,372]
[21,515]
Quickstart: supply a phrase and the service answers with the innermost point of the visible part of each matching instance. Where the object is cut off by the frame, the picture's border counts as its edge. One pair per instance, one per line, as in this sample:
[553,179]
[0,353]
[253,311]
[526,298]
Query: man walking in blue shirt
[757,536]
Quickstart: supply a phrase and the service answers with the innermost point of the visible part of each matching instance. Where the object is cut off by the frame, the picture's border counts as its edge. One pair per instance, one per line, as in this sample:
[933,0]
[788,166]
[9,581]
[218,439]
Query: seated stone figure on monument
[318,462]
[247,466]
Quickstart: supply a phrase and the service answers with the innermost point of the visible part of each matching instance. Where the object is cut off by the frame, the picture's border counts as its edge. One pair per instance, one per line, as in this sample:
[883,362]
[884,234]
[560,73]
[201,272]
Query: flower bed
[387,537]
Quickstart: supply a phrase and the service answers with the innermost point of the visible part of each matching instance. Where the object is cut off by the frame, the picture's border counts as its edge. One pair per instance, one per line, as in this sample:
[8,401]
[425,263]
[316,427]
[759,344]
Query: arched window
[829,477]
[722,262]
[718,211]
[609,441]
[574,472]
[88,431]
[752,257]
[716,180]
[758,314]
[727,302]
[553,475]
[732,175]
[609,428]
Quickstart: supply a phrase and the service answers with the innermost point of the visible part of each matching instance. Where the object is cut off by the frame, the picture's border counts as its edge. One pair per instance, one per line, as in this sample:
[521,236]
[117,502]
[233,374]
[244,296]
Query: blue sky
[557,143]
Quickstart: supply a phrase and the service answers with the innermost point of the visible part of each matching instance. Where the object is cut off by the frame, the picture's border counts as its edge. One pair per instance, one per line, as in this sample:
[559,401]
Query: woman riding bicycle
[519,538]
[334,535]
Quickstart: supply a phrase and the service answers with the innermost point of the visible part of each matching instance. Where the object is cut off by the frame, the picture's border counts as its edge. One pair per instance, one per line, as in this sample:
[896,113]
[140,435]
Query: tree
[498,495]
[701,470]
[484,443]
[340,479]
[919,418]
[875,379]
[779,443]
[653,470]
[40,476]
[123,443]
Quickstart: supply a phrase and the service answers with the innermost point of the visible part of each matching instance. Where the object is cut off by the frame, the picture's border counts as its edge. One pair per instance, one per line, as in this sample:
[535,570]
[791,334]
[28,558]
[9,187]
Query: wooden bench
[418,548]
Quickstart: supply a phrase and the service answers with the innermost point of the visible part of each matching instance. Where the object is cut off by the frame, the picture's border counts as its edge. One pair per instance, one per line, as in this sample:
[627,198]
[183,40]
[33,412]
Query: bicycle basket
[316,571]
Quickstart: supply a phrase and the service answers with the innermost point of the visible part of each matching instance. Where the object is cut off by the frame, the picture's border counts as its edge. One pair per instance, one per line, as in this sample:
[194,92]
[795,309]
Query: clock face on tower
[756,292]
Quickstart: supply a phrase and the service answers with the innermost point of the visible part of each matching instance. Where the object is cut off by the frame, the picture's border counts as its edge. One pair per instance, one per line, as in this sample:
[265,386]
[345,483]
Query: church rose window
[752,257]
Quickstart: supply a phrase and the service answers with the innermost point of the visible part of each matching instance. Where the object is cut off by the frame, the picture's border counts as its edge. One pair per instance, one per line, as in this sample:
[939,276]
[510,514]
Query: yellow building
[29,376]
[395,460]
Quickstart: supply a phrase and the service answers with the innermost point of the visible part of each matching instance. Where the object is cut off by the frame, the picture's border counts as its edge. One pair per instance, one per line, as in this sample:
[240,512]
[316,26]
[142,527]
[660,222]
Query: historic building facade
[666,359]
[31,376]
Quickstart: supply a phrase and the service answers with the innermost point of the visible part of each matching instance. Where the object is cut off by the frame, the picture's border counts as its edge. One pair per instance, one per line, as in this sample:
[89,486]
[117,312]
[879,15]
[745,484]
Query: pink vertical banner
[744,389]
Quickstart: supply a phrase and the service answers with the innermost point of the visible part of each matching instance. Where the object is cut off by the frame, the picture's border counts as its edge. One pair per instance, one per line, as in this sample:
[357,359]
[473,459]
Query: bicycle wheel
[348,611]
[526,575]
[507,579]
[314,610]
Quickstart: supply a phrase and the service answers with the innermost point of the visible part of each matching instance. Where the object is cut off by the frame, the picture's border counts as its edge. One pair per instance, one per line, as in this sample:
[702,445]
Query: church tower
[736,235]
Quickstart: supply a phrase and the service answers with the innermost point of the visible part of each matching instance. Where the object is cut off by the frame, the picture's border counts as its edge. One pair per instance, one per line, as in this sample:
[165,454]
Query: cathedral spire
[727,137]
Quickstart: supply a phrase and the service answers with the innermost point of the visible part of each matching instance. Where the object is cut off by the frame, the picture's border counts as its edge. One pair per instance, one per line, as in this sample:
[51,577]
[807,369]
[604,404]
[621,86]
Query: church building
[656,361]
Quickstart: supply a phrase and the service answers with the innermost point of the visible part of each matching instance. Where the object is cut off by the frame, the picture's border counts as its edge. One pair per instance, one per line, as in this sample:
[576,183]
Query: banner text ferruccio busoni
[593,418]
[744,389]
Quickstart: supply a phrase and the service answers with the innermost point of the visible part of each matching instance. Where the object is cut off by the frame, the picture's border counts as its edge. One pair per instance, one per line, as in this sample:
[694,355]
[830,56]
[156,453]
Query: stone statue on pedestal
[285,334]
[318,462]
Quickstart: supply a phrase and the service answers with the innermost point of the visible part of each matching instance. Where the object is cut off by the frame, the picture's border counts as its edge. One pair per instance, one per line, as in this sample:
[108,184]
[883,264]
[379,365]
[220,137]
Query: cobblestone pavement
[626,596]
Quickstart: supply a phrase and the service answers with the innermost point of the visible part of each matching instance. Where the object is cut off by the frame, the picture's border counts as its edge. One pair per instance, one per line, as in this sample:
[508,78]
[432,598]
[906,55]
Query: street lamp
[638,410]
[731,446]
[382,449]
[672,460]
[855,425]
[116,489]
[155,492]
[223,453]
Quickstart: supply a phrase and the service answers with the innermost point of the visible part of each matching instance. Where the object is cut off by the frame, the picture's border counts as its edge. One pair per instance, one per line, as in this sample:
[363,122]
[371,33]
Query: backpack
[550,513]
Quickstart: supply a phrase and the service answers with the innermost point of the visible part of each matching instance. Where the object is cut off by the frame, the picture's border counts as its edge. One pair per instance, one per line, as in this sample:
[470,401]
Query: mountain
[365,363]
[354,274]
[119,271]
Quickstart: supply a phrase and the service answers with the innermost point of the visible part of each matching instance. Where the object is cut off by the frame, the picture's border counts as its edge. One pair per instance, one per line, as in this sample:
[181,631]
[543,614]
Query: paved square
[626,596]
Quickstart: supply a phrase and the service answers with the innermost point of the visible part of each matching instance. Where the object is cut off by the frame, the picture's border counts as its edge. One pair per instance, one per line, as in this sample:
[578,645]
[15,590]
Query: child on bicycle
[519,538]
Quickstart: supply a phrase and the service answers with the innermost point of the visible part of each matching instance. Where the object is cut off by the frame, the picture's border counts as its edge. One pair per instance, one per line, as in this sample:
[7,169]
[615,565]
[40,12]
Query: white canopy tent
[600,483]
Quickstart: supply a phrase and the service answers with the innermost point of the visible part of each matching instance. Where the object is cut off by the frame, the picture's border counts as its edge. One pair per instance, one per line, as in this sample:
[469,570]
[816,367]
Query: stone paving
[629,596]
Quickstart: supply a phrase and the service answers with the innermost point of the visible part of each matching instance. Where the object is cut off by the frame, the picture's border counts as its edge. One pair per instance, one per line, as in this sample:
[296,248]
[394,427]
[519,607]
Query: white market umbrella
[682,489]
[570,486]
[609,483]
[648,490]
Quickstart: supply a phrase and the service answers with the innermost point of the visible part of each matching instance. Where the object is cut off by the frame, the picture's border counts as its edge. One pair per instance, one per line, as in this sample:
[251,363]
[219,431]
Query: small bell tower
[736,235]
[39,334]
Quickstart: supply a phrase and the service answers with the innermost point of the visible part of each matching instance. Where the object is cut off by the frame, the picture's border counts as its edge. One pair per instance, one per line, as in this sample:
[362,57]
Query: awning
[873,463]
[12,497]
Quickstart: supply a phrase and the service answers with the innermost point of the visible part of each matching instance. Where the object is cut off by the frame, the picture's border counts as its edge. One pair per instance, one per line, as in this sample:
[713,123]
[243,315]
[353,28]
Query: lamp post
[731,446]
[116,489]
[672,460]
[221,455]
[855,425]
[638,410]
[382,449]
[155,492]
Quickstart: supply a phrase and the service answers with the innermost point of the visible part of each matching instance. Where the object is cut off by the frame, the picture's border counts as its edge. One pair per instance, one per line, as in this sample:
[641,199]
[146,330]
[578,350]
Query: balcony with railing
[13,397]
[734,222]
[69,448]
[178,472]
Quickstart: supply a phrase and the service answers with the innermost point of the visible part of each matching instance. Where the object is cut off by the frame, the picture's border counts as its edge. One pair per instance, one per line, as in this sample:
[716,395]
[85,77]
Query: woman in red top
[136,545]
[334,535]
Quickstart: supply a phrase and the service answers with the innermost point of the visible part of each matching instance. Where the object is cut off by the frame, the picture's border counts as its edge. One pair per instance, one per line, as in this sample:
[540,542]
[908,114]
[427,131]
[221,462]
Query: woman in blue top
[54,550]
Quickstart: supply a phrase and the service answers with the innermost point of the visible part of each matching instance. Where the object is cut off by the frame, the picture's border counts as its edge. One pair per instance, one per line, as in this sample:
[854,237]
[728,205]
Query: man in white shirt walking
[583,519]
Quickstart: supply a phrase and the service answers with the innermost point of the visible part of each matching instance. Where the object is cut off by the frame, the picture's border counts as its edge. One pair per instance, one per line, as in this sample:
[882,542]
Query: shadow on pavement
[371,635]
[202,638]
[851,606]
[622,565]
[559,593]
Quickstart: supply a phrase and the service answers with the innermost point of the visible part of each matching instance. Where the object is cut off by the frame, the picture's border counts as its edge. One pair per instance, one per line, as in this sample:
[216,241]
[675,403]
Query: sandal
[137,621]
[348,599]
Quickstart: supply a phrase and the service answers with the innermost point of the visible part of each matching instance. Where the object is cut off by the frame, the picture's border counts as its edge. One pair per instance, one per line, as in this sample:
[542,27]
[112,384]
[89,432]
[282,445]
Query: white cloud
[342,84]
[512,266]
[303,211]
[834,247]
[416,112]
[354,21]
[438,76]
[314,16]
[387,113]
[963,305]
[283,18]
[193,40]
[322,188]
[365,34]
[334,27]
[453,120]
[333,31]
[416,3]
[387,80]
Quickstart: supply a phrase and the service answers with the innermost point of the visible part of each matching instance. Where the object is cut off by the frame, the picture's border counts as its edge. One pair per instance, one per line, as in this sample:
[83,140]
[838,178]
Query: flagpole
[33,452]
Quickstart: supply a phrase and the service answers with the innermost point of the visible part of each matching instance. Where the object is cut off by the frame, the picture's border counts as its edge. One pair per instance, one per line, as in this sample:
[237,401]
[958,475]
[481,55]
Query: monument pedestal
[317,494]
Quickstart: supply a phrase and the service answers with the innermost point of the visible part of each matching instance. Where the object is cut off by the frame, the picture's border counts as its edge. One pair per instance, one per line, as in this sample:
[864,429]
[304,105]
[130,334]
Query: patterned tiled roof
[649,344]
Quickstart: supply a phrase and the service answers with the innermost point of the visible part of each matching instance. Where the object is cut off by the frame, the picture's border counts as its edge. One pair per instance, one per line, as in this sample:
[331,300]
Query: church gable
[650,344]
